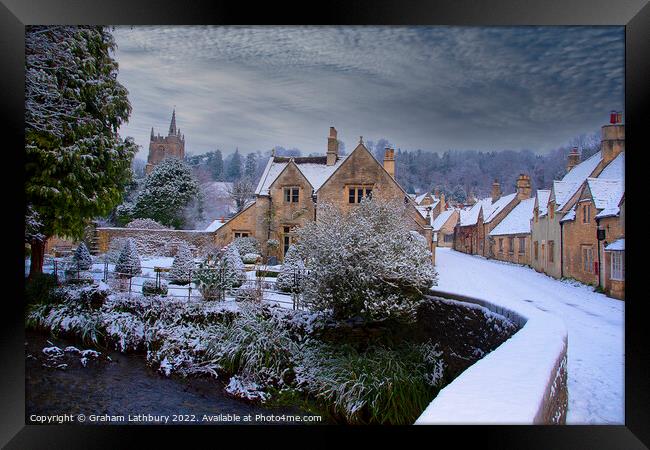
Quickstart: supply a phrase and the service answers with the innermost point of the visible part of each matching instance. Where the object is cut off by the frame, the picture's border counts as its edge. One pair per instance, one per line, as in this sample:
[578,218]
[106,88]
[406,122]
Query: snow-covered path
[594,321]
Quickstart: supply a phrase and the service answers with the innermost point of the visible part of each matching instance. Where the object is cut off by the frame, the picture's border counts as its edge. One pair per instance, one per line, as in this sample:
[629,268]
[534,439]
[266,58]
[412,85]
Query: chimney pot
[223,220]
[612,117]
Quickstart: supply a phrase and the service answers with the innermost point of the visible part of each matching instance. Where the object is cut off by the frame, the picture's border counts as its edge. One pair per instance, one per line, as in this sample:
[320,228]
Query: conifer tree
[128,263]
[76,164]
[81,258]
[292,267]
[182,266]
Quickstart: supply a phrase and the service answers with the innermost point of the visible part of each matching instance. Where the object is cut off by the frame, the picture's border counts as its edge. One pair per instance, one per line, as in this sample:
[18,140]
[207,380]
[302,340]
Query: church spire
[172,125]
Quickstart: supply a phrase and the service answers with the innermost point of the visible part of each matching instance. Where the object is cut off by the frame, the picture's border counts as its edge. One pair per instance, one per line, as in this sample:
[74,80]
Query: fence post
[56,275]
[105,269]
[189,287]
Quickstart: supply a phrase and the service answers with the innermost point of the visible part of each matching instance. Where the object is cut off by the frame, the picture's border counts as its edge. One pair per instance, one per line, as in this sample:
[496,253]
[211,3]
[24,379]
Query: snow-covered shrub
[128,263]
[149,287]
[273,244]
[149,224]
[246,245]
[81,258]
[289,278]
[182,266]
[377,386]
[250,258]
[365,262]
[255,345]
[215,276]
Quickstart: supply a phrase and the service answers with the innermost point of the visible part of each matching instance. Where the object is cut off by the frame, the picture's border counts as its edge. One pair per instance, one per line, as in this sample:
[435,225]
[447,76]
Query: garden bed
[351,372]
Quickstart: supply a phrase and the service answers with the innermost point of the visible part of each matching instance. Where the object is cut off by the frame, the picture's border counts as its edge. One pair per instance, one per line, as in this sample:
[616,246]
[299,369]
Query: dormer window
[291,194]
[358,193]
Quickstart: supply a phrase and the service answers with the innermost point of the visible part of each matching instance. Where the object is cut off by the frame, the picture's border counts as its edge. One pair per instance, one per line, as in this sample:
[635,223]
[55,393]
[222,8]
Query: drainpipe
[598,244]
[561,250]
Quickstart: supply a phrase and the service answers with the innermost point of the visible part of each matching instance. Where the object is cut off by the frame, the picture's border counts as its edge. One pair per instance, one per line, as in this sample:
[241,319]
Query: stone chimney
[332,147]
[442,205]
[573,159]
[612,138]
[523,187]
[389,161]
[496,191]
[436,193]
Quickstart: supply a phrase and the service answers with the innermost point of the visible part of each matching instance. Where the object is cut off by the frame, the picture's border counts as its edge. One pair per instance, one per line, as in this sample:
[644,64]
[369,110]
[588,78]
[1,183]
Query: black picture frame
[633,14]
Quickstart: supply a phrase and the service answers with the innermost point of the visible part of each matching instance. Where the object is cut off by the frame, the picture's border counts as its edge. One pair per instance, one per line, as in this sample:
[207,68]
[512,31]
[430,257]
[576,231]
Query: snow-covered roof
[420,197]
[469,216]
[575,177]
[497,206]
[615,170]
[542,200]
[617,245]
[605,192]
[215,225]
[583,170]
[518,220]
[441,219]
[564,190]
[570,215]
[315,170]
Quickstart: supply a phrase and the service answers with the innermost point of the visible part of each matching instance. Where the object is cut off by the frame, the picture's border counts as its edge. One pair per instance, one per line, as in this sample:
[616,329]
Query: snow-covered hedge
[250,258]
[149,224]
[246,245]
[365,263]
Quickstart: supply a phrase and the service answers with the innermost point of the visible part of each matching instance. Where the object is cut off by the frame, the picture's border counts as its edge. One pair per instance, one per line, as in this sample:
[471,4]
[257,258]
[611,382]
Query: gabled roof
[563,191]
[420,197]
[518,220]
[497,206]
[615,170]
[605,192]
[442,219]
[470,216]
[314,169]
[542,198]
[575,177]
[570,215]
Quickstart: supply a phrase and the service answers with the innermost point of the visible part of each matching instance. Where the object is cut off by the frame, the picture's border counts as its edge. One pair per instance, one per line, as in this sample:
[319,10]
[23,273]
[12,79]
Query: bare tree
[241,192]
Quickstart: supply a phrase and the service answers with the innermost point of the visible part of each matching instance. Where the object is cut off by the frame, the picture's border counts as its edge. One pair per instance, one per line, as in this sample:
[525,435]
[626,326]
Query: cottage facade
[290,190]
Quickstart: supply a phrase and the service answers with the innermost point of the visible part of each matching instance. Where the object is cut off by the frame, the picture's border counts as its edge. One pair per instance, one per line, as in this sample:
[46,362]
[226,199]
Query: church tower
[170,146]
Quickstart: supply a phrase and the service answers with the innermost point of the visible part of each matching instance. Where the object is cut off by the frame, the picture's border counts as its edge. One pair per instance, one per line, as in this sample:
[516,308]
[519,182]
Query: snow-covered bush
[81,258]
[246,245]
[149,224]
[365,262]
[292,268]
[273,244]
[182,266]
[149,287]
[245,389]
[128,263]
[215,276]
[250,258]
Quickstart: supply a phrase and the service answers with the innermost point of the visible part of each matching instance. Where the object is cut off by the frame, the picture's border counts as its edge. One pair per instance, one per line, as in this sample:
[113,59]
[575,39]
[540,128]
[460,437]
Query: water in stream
[125,386]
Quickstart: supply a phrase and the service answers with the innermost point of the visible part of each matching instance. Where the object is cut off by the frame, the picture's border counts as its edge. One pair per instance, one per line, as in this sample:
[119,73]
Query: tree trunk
[38,253]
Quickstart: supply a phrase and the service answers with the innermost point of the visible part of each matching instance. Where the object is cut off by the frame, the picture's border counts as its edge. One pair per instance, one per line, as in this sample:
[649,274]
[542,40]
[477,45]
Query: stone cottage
[290,190]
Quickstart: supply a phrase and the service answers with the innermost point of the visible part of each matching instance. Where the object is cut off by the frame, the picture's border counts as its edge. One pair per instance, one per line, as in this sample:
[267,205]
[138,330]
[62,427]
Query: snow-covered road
[595,325]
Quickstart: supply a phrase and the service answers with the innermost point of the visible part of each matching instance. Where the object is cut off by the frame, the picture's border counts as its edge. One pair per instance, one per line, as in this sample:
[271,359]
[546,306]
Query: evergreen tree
[128,263]
[167,191]
[81,258]
[216,166]
[76,164]
[182,265]
[251,166]
[292,267]
[234,168]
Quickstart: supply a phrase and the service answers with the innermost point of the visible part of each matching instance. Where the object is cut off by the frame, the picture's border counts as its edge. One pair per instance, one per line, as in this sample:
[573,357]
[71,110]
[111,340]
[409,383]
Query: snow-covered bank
[518,383]
[595,324]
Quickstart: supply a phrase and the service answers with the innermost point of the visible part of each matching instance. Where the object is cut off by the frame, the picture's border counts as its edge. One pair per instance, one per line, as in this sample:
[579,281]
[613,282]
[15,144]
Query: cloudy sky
[432,88]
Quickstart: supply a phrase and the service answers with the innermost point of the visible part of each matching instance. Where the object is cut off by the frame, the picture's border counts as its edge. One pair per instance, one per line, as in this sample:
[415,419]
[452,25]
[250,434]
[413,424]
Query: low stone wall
[523,381]
[156,242]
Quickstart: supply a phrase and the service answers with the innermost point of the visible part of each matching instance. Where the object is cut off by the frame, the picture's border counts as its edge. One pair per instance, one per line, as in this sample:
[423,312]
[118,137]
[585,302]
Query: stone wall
[156,242]
[512,398]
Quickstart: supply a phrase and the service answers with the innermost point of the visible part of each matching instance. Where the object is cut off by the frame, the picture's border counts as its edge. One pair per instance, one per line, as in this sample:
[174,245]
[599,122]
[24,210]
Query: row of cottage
[574,230]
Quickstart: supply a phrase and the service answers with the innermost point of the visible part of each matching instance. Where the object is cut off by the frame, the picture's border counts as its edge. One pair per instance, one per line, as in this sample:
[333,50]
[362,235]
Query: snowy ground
[595,323]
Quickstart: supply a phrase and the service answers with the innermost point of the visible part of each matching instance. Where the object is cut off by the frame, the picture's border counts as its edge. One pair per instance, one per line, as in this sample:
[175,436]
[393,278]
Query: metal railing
[260,287]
